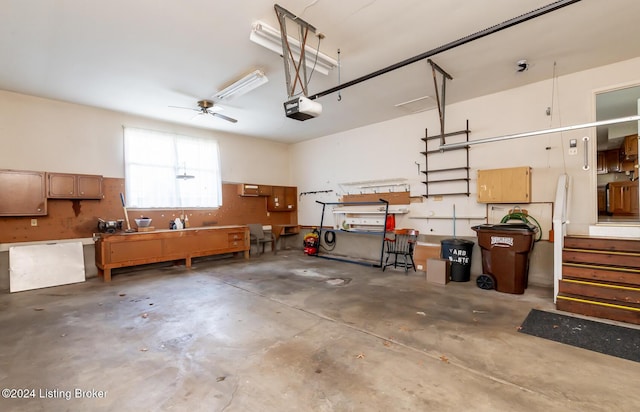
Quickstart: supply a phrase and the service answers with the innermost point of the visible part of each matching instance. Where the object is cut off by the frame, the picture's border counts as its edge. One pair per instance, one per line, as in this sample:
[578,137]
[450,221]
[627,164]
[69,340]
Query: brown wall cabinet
[131,249]
[22,193]
[282,199]
[74,186]
[510,185]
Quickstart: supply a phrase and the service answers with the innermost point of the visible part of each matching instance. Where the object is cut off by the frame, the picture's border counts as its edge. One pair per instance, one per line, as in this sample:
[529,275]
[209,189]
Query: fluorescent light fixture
[242,86]
[270,38]
[417,105]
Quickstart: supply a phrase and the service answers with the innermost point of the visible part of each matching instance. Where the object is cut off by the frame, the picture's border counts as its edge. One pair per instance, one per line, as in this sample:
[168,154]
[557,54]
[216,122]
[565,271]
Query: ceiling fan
[207,107]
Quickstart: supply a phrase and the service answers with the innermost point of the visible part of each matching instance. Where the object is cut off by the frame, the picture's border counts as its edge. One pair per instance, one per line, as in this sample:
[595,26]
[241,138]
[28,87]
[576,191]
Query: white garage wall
[390,149]
[49,135]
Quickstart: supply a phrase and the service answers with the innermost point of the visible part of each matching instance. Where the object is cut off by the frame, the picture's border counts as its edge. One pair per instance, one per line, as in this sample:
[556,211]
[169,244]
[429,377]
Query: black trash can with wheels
[458,251]
[505,251]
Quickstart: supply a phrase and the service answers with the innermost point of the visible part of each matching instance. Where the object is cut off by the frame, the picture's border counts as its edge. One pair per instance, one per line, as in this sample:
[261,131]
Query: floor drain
[338,281]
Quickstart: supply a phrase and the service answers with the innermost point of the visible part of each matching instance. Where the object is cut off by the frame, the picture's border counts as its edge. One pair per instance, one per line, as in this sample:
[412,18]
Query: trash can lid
[457,242]
[515,227]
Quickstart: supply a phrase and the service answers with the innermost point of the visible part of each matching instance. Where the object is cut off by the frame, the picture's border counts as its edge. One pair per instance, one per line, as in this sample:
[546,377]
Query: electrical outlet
[34,222]
[573,151]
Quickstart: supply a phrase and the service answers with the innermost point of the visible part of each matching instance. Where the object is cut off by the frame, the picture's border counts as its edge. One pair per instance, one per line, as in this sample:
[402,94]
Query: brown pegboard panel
[70,219]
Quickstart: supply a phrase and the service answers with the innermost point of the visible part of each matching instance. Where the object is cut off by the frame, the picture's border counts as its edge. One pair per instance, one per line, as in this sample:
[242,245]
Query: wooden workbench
[130,249]
[285,230]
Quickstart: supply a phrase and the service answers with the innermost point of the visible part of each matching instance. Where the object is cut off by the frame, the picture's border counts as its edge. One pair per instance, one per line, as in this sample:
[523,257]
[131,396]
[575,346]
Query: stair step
[609,258]
[601,278]
[604,292]
[618,275]
[598,309]
[602,243]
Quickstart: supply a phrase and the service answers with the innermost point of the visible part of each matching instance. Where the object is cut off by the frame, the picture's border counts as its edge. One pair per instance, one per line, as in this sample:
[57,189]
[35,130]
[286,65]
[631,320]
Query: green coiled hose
[524,218]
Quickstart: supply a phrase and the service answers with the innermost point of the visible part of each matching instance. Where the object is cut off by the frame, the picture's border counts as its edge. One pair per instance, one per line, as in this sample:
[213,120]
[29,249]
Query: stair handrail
[560,220]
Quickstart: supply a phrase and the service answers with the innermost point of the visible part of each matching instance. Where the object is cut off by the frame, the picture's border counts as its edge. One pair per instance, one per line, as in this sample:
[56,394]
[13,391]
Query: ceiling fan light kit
[249,82]
[270,38]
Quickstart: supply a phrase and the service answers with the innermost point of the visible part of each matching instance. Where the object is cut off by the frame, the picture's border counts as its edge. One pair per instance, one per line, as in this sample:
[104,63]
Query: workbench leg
[107,275]
[246,254]
[187,262]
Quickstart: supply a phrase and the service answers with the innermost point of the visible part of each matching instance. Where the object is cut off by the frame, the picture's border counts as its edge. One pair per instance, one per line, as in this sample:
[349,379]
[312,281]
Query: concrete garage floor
[275,333]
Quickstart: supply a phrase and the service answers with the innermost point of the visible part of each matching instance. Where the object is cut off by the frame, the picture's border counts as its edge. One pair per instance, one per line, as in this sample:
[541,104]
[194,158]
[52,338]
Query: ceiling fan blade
[187,108]
[197,114]
[227,118]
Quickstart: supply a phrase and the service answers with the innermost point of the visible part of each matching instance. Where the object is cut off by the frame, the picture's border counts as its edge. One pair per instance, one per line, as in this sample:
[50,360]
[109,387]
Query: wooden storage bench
[130,249]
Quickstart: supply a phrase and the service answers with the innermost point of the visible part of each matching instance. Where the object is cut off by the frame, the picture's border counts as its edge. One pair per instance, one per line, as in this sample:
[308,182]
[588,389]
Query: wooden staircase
[601,278]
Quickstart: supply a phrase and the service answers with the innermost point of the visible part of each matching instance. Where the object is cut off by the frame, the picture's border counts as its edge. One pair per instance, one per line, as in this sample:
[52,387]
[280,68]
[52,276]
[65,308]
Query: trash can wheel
[486,282]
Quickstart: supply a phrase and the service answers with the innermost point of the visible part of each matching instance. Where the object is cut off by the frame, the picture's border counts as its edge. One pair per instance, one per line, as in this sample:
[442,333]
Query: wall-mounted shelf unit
[375,186]
[365,218]
[457,175]
[450,217]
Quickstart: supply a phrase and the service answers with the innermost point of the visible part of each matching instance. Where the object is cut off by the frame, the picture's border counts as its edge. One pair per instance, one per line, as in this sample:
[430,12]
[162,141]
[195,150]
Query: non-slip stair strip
[597,303]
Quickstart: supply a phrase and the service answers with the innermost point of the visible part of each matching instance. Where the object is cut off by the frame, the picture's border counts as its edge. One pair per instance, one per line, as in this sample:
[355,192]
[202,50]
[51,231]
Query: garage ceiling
[141,57]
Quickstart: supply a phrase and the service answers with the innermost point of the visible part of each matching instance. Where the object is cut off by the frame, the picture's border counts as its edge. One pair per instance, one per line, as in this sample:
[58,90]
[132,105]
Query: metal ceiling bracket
[440,99]
[297,68]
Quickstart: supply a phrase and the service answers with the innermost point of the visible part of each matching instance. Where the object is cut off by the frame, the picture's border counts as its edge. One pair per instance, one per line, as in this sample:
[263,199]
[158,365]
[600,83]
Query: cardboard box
[438,271]
[424,251]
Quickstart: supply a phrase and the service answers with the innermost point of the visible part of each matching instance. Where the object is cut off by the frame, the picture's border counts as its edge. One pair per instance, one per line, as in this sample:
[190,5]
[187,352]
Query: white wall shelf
[449,217]
[365,218]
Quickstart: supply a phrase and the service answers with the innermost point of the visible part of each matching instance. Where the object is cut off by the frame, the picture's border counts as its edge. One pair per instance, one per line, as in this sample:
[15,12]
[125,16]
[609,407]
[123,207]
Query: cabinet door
[22,193]
[89,186]
[62,185]
[616,198]
[630,146]
[508,185]
[276,202]
[602,200]
[264,190]
[290,198]
[613,160]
